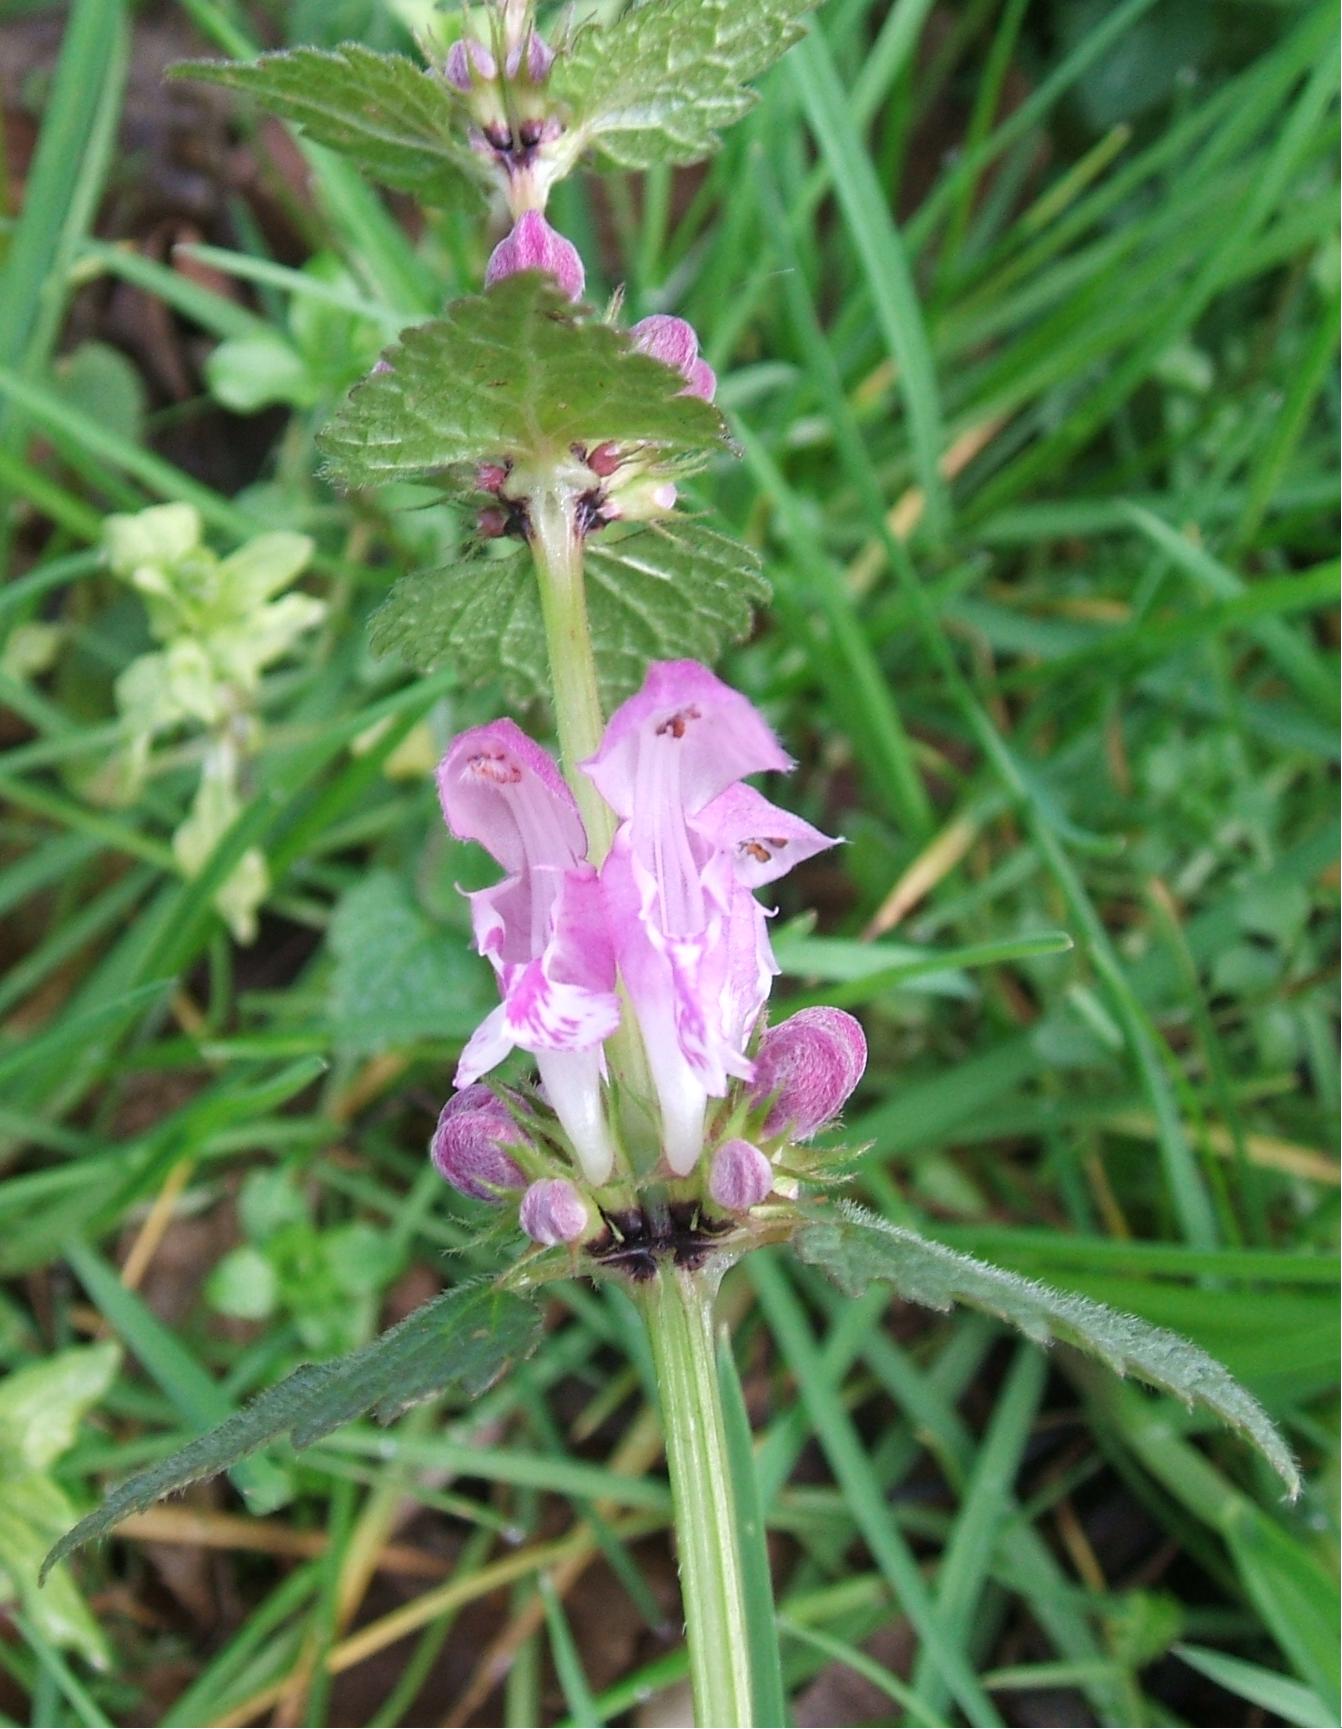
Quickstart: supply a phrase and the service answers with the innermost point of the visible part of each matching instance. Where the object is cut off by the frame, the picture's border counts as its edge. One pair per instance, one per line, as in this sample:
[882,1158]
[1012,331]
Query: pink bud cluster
[515,127]
[469,63]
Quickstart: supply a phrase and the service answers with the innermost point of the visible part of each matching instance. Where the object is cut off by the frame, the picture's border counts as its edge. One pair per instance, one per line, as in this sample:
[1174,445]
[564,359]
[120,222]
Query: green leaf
[33,1512]
[41,1409]
[481,615]
[248,373]
[513,372]
[1274,1692]
[400,124]
[398,976]
[662,591]
[243,1284]
[659,83]
[672,590]
[461,1341]
[856,1248]
[1294,1590]
[42,1406]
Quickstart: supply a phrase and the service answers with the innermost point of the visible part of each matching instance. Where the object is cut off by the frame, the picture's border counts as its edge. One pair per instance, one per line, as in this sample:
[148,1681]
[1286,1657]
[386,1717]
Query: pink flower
[673,342]
[543,928]
[693,843]
[534,245]
[807,1066]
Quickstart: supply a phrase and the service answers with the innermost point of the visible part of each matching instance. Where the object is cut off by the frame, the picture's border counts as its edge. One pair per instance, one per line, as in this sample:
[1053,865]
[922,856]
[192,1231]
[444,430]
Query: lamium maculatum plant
[660,1122]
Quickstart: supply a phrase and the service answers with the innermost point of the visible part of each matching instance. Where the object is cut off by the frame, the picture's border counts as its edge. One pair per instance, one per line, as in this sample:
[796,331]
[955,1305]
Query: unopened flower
[543,928]
[807,1066]
[534,245]
[531,59]
[469,62]
[469,1145]
[741,1177]
[692,844]
[553,1211]
[674,343]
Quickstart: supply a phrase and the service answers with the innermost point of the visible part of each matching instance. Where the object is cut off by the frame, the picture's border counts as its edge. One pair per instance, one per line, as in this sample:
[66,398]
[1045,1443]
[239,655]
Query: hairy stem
[557,548]
[677,1308]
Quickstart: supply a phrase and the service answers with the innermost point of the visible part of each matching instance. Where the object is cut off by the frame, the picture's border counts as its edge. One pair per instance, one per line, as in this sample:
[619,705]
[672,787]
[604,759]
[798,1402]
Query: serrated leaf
[659,83]
[481,615]
[398,976]
[662,591]
[855,1248]
[516,372]
[672,590]
[399,123]
[462,1341]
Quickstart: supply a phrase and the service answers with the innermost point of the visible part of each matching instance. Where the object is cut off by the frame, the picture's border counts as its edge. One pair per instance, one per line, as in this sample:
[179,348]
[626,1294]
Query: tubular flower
[693,843]
[543,928]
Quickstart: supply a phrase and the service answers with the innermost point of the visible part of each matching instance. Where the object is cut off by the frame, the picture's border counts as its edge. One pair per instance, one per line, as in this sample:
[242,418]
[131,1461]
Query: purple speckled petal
[808,1065]
[534,245]
[741,1177]
[543,928]
[546,935]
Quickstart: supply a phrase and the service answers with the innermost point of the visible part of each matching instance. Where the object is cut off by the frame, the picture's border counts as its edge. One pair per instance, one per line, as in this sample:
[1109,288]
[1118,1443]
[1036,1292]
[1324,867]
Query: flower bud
[467,61]
[534,245]
[642,498]
[673,342]
[535,56]
[808,1065]
[490,476]
[554,1212]
[741,1176]
[605,459]
[474,1128]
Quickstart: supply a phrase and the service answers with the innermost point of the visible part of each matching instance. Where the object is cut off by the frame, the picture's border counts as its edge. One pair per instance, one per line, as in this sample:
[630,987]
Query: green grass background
[1026,319]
